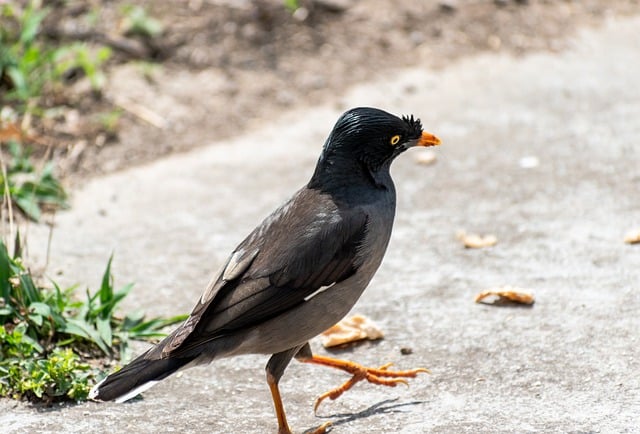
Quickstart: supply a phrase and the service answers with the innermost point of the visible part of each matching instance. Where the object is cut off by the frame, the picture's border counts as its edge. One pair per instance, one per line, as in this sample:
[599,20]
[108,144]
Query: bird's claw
[382,376]
[322,429]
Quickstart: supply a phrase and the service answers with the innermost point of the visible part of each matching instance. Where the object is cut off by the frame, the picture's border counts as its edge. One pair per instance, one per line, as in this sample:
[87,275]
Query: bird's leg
[283,426]
[381,375]
[275,368]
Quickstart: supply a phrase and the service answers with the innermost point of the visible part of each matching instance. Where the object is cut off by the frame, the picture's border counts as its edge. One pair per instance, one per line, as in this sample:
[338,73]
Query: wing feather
[306,244]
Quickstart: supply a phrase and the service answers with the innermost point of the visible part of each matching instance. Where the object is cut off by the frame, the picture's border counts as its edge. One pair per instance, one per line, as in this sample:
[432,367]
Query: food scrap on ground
[475,241]
[632,237]
[507,293]
[355,328]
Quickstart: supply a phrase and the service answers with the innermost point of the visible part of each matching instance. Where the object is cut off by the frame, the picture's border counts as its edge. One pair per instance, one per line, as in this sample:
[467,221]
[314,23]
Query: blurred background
[536,187]
[96,86]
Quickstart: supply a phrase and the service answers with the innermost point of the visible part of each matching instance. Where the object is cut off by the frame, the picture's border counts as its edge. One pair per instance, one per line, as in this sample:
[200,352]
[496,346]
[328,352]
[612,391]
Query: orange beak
[428,139]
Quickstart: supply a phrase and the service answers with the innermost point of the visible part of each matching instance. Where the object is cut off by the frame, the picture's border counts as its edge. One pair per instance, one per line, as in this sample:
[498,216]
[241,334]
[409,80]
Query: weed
[30,189]
[31,67]
[109,120]
[47,337]
[291,5]
[79,56]
[24,63]
[29,64]
[138,22]
[25,373]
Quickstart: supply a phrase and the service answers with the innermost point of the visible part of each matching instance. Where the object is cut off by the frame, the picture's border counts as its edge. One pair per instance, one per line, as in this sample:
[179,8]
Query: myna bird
[299,272]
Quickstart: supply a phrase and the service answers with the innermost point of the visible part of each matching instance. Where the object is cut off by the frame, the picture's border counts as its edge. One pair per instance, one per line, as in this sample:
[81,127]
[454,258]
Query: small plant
[51,344]
[24,373]
[109,120]
[31,69]
[25,64]
[29,64]
[292,5]
[81,56]
[30,189]
[138,22]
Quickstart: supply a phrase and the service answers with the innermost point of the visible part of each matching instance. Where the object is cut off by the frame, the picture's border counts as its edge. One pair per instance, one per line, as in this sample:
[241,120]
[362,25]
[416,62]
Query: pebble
[448,6]
[426,158]
[529,162]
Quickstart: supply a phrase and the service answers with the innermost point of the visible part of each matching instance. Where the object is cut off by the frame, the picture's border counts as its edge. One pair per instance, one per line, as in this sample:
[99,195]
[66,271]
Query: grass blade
[82,329]
[5,273]
[103,326]
[106,288]
[29,288]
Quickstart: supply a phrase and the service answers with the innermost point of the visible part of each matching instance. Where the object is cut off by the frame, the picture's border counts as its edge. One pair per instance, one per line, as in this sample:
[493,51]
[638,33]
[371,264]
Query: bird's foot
[381,375]
[322,429]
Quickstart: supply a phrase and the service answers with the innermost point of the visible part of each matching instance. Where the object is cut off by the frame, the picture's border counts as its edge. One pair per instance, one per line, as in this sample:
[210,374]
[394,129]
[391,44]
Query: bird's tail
[136,377]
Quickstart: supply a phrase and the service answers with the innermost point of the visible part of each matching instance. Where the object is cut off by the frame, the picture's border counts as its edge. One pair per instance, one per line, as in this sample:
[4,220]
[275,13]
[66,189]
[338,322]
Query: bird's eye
[395,139]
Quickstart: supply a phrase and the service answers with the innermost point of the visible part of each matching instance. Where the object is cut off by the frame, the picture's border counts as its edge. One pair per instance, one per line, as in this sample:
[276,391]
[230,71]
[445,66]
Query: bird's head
[370,138]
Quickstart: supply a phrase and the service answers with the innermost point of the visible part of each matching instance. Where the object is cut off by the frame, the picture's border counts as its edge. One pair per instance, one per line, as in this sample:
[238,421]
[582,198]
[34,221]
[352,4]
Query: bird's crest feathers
[414,124]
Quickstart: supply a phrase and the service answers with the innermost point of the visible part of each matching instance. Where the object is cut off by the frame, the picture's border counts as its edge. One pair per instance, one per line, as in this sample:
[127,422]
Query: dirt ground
[223,67]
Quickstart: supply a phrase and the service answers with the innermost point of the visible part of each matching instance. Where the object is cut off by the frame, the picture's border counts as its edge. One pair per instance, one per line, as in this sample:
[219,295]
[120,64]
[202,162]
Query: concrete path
[571,363]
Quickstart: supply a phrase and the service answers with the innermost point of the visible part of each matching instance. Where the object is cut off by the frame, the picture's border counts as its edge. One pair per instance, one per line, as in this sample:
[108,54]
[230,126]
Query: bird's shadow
[382,407]
[351,347]
[503,302]
[52,407]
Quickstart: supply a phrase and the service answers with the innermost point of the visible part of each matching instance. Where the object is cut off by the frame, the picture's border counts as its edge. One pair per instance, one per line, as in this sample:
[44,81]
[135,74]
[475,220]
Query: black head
[369,139]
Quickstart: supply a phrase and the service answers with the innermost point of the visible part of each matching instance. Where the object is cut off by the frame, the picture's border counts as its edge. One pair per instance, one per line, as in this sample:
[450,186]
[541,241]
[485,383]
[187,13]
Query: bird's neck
[347,175]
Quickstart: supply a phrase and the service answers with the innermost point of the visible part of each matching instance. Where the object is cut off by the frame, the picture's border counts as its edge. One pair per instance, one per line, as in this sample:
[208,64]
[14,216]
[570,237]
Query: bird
[298,272]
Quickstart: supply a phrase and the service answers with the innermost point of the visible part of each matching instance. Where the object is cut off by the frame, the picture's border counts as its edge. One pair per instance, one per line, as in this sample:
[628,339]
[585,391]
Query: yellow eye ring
[395,139]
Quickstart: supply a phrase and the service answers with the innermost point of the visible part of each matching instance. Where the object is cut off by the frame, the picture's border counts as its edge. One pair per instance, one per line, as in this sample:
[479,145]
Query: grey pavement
[570,363]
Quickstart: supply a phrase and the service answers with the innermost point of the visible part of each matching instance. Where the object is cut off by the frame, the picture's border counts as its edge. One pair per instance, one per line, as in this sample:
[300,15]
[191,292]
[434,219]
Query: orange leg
[283,426]
[275,368]
[380,375]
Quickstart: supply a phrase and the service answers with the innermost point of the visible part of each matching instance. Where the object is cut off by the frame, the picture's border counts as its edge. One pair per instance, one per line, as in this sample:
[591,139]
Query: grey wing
[235,265]
[273,271]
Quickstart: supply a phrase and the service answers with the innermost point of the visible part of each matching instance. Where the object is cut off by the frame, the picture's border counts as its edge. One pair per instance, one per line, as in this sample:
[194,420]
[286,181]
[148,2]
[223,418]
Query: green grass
[30,189]
[54,342]
[51,343]
[30,65]
[24,63]
[291,5]
[31,68]
[136,21]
